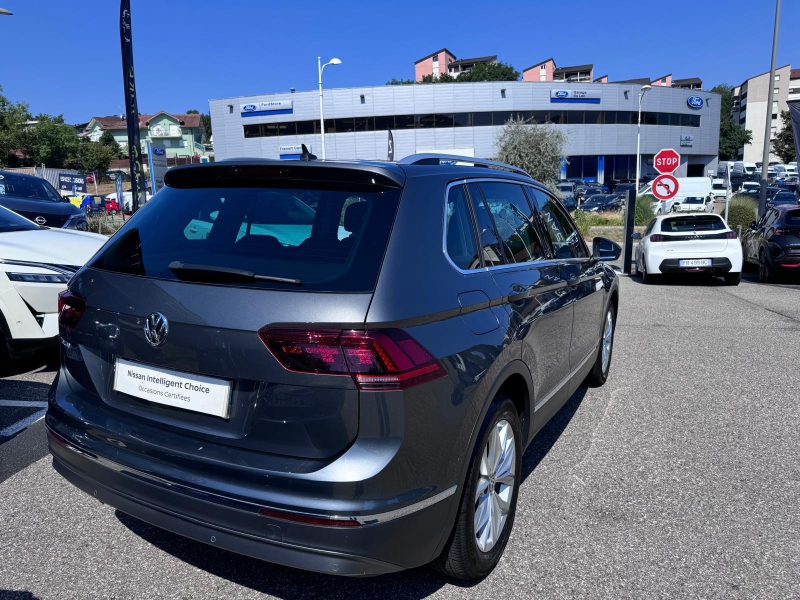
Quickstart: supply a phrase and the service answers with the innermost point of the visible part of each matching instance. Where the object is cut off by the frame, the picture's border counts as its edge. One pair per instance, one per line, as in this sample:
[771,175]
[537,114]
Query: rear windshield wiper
[211,273]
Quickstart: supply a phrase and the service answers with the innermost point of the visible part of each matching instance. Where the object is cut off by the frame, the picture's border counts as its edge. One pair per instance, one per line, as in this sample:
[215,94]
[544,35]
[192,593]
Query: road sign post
[665,186]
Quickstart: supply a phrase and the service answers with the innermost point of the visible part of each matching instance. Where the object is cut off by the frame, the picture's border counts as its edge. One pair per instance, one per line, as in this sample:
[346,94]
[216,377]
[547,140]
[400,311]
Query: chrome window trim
[524,265]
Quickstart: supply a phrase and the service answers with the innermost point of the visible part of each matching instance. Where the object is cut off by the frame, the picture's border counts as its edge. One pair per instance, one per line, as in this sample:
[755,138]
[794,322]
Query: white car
[693,204]
[719,188]
[35,265]
[694,243]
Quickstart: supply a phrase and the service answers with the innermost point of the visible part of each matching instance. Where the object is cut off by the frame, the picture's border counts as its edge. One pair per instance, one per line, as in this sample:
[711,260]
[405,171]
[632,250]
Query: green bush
[644,210]
[742,210]
[585,220]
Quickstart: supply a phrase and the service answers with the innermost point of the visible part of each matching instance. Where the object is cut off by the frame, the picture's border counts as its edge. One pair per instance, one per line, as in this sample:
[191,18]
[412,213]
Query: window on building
[404,122]
[772,131]
[777,76]
[364,124]
[481,119]
[501,117]
[384,123]
[424,121]
[307,127]
[462,120]
[252,131]
[436,58]
[443,120]
[575,117]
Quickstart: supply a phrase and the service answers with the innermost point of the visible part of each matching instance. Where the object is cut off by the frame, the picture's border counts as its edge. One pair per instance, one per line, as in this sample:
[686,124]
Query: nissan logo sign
[40,220]
[561,94]
[249,107]
[695,101]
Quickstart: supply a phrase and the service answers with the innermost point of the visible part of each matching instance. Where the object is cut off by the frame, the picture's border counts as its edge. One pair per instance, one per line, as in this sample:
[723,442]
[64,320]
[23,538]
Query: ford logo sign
[249,107]
[695,101]
[159,151]
[561,94]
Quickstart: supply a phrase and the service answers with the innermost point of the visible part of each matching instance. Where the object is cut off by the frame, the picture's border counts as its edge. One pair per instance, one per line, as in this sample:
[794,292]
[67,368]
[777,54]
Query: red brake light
[383,360]
[784,231]
[657,237]
[71,306]
[731,235]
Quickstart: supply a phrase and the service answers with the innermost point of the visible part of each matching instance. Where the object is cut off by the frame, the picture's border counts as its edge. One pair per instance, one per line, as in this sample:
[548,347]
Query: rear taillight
[384,360]
[657,238]
[71,306]
[784,231]
[731,235]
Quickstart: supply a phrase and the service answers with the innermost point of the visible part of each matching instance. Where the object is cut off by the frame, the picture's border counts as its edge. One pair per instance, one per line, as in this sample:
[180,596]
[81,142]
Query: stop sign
[666,161]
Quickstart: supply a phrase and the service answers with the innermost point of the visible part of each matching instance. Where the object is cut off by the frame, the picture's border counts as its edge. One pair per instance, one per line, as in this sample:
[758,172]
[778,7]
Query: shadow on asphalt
[44,360]
[289,583]
[14,595]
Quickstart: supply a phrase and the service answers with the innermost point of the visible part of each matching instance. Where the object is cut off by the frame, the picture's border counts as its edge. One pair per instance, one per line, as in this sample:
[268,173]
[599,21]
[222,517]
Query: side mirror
[605,249]
[636,236]
[752,224]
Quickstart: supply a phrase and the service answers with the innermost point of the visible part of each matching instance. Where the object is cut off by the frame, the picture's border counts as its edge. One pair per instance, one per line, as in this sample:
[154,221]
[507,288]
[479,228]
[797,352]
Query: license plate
[696,262]
[189,391]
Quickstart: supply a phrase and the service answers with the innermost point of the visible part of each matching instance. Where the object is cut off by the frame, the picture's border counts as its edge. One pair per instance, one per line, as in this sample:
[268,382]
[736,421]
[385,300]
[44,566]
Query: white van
[687,186]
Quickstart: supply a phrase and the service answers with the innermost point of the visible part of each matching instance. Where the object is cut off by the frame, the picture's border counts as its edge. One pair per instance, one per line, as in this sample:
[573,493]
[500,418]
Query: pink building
[433,64]
[665,81]
[548,71]
[542,71]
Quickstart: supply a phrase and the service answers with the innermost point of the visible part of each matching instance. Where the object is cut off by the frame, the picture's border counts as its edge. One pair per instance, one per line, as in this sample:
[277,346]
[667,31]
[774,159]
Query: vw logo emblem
[40,220]
[156,329]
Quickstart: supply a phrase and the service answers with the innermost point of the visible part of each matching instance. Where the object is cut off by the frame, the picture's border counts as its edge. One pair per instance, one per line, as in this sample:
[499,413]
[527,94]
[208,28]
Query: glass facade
[473,119]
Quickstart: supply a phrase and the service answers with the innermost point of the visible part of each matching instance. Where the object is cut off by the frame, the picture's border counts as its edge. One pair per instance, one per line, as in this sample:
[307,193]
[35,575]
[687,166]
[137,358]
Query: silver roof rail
[437,159]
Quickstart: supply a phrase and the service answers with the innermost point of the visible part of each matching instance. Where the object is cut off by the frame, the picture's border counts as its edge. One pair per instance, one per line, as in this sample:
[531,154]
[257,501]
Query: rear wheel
[766,272]
[733,278]
[646,277]
[489,500]
[599,373]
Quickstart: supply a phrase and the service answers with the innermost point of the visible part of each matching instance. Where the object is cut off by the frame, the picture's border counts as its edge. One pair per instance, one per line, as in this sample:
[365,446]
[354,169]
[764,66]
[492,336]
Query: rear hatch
[174,304]
[691,235]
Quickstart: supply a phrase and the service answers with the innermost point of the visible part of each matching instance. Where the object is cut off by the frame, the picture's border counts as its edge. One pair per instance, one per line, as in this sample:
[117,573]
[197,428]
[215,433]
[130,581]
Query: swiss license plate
[174,388]
[696,262]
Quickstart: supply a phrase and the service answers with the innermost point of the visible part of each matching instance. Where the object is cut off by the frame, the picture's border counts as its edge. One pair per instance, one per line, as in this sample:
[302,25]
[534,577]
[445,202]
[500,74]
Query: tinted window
[462,120]
[11,221]
[424,121]
[461,246]
[306,127]
[404,121]
[792,217]
[512,218]
[32,188]
[251,131]
[384,123]
[679,225]
[564,237]
[481,119]
[489,242]
[331,239]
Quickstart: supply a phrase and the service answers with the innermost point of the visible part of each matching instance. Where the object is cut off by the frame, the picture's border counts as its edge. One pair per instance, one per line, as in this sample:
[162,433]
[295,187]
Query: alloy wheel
[495,488]
[608,340]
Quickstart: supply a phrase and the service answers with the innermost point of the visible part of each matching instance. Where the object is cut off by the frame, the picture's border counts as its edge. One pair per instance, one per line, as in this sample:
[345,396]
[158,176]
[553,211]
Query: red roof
[114,122]
[794,74]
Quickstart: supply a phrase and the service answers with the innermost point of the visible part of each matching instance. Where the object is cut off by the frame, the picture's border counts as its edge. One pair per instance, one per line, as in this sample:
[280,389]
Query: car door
[583,275]
[531,283]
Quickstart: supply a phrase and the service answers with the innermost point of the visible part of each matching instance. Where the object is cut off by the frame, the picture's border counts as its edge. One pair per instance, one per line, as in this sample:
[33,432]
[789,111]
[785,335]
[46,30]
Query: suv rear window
[682,224]
[330,239]
[791,217]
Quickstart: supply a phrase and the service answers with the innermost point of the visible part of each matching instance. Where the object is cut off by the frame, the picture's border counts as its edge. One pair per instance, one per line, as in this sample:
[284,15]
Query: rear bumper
[405,538]
[719,266]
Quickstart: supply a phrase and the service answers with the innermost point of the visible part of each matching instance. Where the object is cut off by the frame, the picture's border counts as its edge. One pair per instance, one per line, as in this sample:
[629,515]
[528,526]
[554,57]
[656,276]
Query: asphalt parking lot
[678,479]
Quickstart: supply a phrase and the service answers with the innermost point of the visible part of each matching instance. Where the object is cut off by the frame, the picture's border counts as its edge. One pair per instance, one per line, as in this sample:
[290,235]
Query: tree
[107,139]
[205,122]
[49,141]
[783,144]
[193,112]
[481,72]
[94,156]
[394,81]
[731,135]
[539,149]
[12,125]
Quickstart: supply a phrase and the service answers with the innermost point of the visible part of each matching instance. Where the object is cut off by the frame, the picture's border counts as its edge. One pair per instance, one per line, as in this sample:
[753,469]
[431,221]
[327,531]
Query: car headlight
[38,278]
[78,222]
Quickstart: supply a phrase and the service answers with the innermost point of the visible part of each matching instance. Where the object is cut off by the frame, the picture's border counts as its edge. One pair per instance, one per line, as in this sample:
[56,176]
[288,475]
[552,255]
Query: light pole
[762,195]
[321,67]
[3,11]
[645,88]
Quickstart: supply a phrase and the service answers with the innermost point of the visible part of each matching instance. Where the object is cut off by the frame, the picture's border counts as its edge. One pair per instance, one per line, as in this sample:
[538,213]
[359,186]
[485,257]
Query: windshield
[11,221]
[783,199]
[750,169]
[32,188]
[680,225]
[328,239]
[718,186]
[597,199]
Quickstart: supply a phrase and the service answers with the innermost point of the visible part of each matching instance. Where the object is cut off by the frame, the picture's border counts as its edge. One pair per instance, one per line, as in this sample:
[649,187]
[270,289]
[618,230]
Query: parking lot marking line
[20,425]
[21,404]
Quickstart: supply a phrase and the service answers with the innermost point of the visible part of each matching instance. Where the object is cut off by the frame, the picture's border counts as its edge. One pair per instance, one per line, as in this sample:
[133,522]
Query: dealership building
[599,120]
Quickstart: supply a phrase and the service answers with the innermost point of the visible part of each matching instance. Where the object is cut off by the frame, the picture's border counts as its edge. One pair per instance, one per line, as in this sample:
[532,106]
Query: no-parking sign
[665,187]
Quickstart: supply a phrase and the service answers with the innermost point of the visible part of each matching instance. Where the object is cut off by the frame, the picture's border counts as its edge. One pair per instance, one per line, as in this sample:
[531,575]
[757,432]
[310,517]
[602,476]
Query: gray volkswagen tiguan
[335,366]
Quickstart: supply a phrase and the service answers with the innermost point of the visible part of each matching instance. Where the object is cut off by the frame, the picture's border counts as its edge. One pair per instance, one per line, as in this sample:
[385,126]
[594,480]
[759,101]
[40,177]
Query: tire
[733,278]
[602,364]
[471,553]
[112,212]
[766,272]
[647,279]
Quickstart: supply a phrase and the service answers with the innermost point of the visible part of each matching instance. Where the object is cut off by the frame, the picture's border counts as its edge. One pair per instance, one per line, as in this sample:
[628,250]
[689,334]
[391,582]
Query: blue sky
[64,57]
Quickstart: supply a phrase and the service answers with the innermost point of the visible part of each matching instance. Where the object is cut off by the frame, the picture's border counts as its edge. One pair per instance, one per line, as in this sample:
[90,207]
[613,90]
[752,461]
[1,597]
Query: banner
[794,113]
[131,109]
[120,197]
[391,145]
[157,162]
[73,183]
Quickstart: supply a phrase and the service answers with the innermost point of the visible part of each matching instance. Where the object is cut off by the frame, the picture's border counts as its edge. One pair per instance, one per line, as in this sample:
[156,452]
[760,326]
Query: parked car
[751,188]
[693,204]
[36,264]
[783,198]
[346,412]
[569,202]
[35,199]
[719,188]
[566,188]
[602,202]
[701,243]
[790,182]
[773,242]
[687,187]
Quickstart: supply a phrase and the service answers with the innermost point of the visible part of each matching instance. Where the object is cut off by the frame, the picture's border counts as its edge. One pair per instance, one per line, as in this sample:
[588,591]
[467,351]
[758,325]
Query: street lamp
[321,67]
[3,11]
[645,88]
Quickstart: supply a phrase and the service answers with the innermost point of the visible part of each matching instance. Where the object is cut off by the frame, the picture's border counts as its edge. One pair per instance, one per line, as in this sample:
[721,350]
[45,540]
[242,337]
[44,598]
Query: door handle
[573,280]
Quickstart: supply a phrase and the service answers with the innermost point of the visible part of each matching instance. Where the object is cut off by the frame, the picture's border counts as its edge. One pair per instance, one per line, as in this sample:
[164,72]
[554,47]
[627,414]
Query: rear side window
[513,222]
[566,240]
[491,249]
[461,246]
[680,225]
[321,239]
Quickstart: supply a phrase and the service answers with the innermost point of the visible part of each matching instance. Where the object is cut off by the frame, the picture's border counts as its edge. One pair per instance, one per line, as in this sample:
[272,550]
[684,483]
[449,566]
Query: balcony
[158,131]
